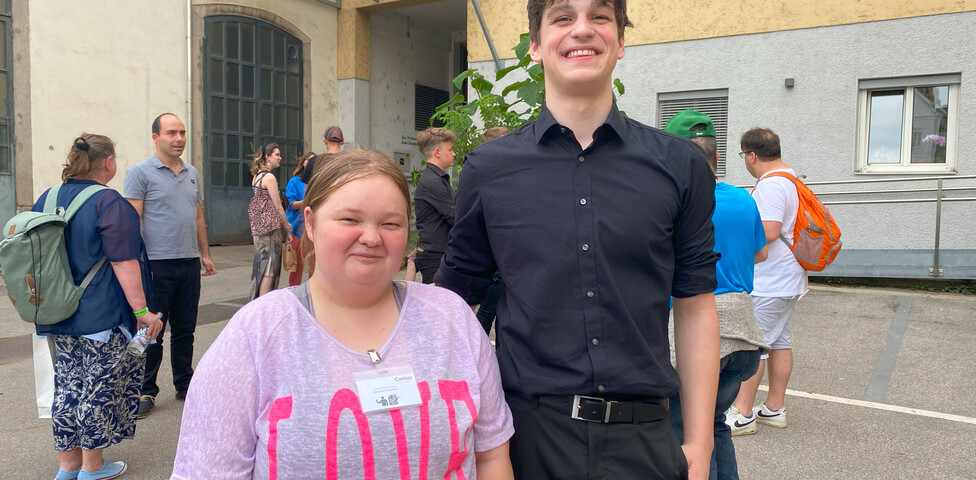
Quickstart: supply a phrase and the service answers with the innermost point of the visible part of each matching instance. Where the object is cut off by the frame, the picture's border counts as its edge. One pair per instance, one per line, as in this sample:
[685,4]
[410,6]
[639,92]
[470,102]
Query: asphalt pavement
[883,387]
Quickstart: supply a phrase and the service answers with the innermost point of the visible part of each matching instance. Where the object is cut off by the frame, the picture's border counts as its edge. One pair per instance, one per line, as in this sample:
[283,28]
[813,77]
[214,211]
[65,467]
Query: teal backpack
[35,265]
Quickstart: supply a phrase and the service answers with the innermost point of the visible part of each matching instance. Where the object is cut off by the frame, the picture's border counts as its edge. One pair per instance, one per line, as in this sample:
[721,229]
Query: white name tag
[387,388]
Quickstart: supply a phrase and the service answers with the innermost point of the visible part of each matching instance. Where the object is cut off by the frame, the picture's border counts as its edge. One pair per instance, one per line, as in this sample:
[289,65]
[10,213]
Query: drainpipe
[189,83]
[484,28]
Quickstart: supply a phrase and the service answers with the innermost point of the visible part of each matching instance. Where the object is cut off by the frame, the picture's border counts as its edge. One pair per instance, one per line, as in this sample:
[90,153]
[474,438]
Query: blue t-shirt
[106,225]
[295,192]
[739,234]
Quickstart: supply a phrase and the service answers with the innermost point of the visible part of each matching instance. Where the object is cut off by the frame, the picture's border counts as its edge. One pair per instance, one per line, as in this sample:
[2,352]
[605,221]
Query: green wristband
[142,312]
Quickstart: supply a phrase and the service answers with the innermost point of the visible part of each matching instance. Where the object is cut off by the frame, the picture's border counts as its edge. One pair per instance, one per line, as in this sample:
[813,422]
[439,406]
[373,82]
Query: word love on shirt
[345,399]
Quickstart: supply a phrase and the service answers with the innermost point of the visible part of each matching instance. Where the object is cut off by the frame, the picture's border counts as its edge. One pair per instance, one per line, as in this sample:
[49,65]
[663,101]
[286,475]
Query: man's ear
[534,53]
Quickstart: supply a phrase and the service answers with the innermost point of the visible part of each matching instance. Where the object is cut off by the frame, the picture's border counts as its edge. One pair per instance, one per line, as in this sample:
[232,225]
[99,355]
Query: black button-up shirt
[590,243]
[434,203]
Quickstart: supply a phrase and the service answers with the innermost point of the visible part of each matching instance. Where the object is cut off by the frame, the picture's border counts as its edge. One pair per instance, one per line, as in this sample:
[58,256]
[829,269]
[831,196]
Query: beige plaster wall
[111,66]
[662,21]
[103,67]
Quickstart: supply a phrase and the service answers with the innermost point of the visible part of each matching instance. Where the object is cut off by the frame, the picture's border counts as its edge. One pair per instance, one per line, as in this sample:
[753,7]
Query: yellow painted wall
[353,33]
[661,21]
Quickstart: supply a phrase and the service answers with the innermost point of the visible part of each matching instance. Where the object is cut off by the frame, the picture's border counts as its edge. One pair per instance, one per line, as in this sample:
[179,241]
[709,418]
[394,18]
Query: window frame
[908,86]
[695,99]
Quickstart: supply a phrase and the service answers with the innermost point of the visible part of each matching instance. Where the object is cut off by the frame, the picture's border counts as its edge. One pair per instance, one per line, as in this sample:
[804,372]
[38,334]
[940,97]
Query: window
[6,91]
[426,101]
[714,103]
[907,124]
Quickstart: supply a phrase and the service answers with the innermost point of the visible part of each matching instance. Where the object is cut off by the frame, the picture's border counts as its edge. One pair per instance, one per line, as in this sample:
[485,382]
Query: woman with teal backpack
[96,381]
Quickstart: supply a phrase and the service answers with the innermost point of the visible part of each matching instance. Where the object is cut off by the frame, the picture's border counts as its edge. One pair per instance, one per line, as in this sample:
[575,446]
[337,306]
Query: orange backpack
[816,237]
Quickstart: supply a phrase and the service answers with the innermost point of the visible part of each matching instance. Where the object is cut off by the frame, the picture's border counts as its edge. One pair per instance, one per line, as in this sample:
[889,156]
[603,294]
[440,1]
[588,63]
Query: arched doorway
[252,96]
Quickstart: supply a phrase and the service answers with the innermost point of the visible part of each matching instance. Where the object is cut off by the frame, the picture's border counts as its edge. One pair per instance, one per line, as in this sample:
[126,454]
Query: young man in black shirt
[434,199]
[594,221]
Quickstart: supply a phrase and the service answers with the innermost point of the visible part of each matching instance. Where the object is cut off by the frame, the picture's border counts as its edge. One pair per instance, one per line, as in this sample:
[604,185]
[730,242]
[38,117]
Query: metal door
[253,96]
[8,197]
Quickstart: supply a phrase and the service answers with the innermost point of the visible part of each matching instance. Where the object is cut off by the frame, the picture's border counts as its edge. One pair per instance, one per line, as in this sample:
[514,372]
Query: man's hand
[208,265]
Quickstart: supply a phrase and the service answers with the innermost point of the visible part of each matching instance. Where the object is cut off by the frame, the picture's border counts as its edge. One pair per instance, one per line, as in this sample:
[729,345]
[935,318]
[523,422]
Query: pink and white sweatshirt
[274,397]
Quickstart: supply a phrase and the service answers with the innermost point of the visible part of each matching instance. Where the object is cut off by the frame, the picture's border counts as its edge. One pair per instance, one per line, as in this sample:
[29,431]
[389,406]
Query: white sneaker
[740,424]
[773,418]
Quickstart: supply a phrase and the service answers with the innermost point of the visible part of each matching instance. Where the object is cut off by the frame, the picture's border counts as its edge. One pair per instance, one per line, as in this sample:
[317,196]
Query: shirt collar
[546,122]
[437,169]
[156,162]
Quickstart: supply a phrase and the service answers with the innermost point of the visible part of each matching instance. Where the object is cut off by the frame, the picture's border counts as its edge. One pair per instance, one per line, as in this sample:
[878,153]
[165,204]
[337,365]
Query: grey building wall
[817,121]
[402,53]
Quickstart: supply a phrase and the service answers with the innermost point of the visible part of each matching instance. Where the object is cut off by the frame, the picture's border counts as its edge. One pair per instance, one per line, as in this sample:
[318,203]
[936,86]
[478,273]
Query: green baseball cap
[683,121]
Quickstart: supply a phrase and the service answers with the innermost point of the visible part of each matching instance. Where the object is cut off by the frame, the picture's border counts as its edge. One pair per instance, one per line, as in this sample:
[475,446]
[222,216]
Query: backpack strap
[80,200]
[51,203]
[91,273]
[789,177]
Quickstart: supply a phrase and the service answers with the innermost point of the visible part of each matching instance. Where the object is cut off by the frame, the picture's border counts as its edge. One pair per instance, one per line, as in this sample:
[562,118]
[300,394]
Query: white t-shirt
[780,275]
[274,397]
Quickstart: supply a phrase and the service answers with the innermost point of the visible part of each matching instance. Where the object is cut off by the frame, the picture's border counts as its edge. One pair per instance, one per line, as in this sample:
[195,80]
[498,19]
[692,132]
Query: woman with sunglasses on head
[268,219]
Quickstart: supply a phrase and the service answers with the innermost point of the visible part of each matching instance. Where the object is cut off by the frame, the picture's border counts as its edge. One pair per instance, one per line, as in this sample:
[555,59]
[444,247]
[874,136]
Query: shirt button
[595,341]
[582,201]
[562,129]
[601,388]
[586,247]
[581,159]
[589,294]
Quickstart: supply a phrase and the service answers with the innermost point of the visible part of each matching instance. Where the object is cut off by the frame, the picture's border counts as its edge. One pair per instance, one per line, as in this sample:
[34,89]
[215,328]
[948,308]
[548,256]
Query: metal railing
[938,199]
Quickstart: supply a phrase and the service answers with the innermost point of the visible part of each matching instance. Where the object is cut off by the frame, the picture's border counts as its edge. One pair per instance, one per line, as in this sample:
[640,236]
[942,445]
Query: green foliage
[493,110]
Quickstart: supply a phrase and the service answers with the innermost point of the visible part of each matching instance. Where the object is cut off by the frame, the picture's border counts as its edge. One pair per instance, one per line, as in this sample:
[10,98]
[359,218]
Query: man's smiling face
[579,45]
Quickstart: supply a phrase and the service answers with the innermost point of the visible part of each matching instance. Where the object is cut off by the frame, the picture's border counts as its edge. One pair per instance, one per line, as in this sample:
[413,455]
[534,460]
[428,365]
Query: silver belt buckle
[576,406]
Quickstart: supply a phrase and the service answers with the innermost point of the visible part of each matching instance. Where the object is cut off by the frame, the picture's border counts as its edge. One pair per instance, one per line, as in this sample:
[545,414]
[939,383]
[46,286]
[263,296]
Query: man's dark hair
[708,144]
[155,125]
[763,142]
[536,7]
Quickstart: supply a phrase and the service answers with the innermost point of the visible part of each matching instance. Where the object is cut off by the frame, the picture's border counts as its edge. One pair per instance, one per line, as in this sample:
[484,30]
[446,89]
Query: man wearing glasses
[779,282]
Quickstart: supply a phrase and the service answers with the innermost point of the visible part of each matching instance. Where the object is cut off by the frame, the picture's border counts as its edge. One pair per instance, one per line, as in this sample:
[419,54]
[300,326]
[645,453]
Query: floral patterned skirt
[96,392]
[267,261]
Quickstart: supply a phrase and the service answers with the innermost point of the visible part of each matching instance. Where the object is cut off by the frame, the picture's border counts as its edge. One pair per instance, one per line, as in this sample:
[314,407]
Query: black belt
[596,409]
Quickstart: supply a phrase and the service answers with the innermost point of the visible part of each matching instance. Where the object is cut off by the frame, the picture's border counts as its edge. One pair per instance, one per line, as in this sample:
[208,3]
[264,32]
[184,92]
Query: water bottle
[141,339]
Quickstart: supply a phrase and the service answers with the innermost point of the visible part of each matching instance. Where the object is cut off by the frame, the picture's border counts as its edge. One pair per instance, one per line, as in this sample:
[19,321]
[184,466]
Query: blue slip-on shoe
[66,475]
[108,470]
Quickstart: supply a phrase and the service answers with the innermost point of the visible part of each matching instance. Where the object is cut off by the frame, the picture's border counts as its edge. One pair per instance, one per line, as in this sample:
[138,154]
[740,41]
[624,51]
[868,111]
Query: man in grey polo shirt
[167,194]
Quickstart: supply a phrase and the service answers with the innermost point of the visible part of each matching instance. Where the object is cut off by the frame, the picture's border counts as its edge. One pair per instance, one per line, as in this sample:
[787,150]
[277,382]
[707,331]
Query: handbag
[289,259]
[43,374]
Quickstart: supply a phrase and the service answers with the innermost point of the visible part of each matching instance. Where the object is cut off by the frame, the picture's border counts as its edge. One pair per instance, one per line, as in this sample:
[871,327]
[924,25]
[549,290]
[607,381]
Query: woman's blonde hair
[301,164]
[87,152]
[342,168]
[261,157]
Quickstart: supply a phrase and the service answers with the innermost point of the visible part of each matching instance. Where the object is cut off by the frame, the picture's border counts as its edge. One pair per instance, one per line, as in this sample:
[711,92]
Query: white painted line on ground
[878,406]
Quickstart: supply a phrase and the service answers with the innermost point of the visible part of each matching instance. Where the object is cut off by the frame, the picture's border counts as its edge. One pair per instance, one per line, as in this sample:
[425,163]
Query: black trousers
[427,264]
[176,293]
[551,445]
